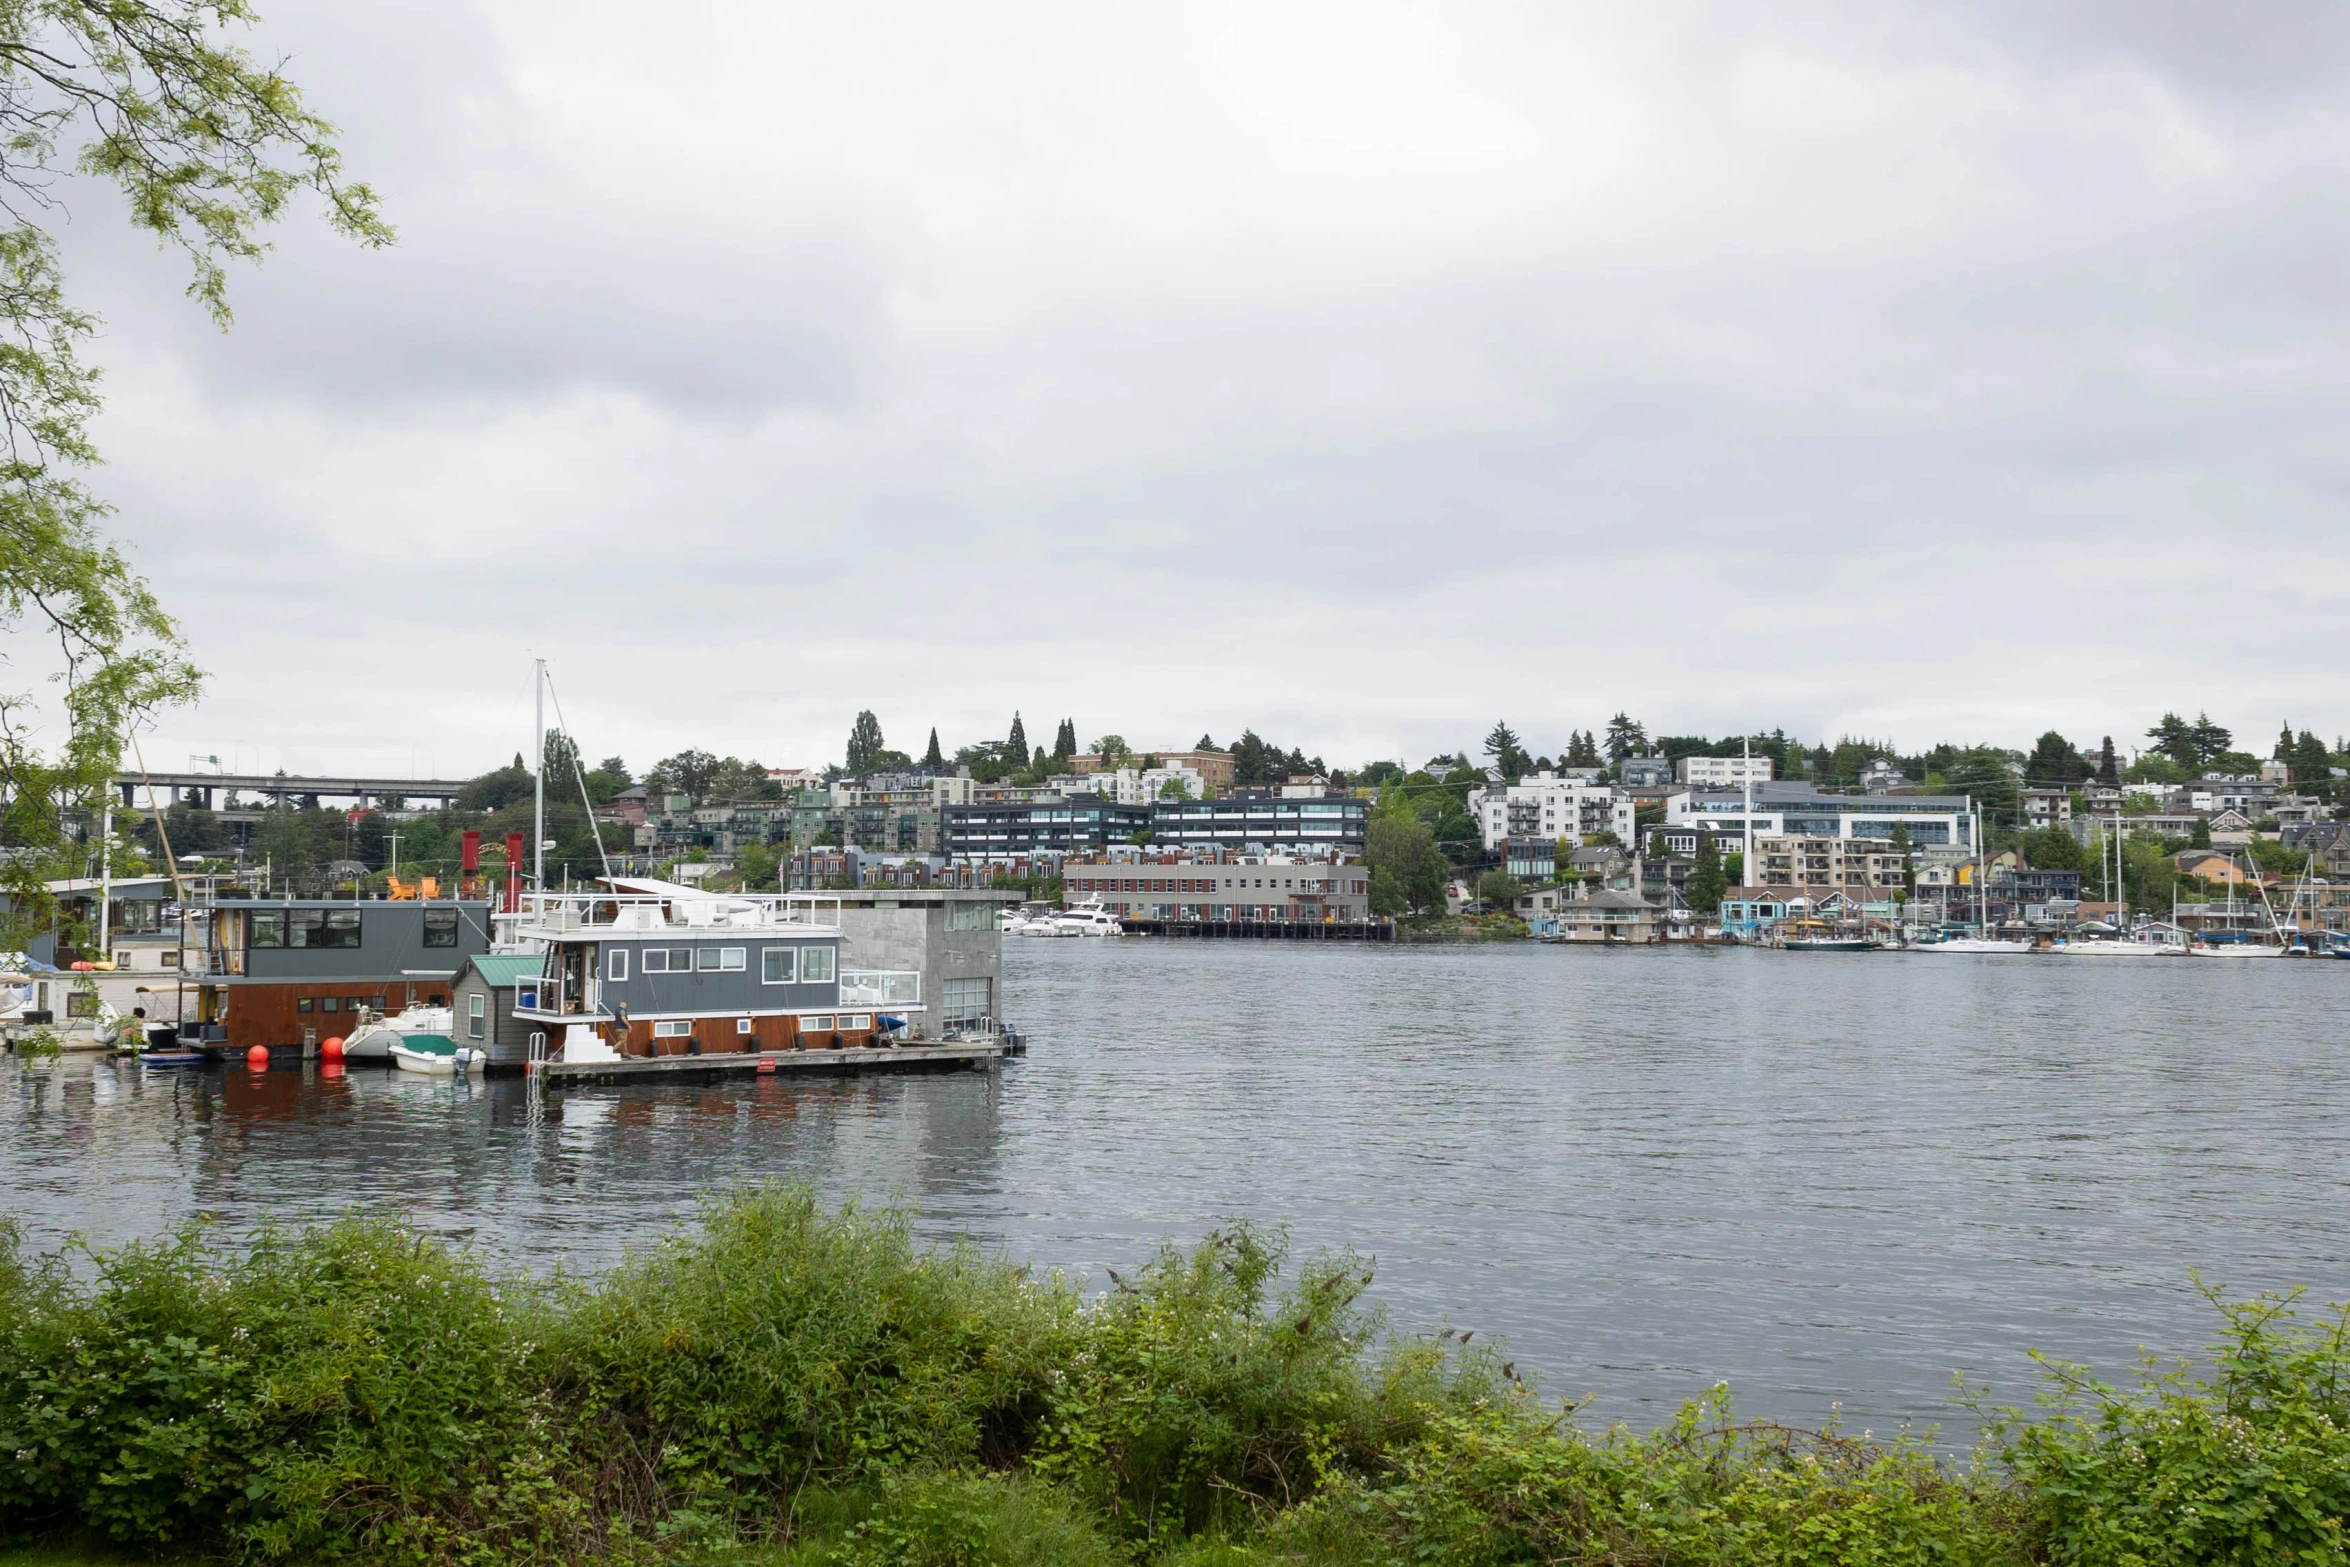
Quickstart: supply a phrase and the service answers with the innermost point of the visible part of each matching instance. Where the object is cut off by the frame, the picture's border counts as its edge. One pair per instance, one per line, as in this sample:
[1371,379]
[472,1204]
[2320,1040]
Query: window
[964,1001]
[820,1024]
[850,1020]
[305,1004]
[169,959]
[342,928]
[970,915]
[730,959]
[778,966]
[440,927]
[713,960]
[305,927]
[673,1028]
[742,1025]
[266,928]
[816,965]
[331,1004]
[616,964]
[668,960]
[81,1003]
[476,1010]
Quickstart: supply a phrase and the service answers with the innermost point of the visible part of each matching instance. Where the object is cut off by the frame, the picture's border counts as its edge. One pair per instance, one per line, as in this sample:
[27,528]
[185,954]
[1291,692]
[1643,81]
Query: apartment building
[1549,806]
[1213,767]
[1825,862]
[1722,772]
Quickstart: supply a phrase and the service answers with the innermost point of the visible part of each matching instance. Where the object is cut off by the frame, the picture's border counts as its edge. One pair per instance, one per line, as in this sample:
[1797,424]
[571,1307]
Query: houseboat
[292,973]
[647,968]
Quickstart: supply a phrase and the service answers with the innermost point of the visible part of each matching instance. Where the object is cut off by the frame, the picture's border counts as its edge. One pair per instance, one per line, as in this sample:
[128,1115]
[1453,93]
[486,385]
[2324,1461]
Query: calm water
[1822,1177]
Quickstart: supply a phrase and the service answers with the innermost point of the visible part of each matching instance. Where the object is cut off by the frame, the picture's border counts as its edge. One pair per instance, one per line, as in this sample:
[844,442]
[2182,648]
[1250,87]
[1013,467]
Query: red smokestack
[513,872]
[470,854]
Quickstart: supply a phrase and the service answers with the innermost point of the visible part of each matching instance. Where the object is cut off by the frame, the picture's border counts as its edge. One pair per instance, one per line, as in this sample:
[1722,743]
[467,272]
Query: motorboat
[1980,946]
[2131,948]
[1087,919]
[373,1040]
[2235,949]
[434,1055]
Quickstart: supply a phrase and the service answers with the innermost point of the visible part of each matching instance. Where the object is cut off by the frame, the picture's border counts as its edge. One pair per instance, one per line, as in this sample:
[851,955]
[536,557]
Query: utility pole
[393,839]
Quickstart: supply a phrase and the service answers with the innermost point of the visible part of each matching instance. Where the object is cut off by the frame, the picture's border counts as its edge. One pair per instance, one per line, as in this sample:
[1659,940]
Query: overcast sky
[1360,372]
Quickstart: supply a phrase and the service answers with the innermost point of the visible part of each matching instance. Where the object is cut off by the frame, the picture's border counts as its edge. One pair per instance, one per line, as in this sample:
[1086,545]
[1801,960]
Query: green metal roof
[502,969]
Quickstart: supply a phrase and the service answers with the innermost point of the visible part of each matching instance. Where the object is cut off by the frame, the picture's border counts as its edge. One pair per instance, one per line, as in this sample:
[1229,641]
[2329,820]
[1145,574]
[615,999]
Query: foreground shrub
[2249,1466]
[783,1345]
[951,1520]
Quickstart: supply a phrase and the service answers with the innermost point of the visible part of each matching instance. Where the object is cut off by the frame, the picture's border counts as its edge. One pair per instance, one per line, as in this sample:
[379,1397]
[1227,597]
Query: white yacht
[1087,919]
[1980,946]
[373,1039]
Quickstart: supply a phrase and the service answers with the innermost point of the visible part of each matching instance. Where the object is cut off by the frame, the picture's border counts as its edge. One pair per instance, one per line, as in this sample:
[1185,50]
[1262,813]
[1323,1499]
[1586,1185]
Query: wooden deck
[900,1058]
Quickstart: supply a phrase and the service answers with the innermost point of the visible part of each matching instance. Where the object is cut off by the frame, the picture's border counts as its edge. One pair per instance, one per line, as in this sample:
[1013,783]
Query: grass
[794,1387]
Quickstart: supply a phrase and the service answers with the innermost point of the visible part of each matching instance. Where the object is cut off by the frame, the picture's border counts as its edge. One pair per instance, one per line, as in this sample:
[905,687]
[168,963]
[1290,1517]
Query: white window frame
[616,965]
[820,1024]
[851,1022]
[823,958]
[476,1013]
[705,960]
[791,965]
[673,1028]
[730,959]
[742,1025]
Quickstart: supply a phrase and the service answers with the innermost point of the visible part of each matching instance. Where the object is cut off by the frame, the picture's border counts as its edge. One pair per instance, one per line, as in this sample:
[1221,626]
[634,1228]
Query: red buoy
[257,1058]
[332,1050]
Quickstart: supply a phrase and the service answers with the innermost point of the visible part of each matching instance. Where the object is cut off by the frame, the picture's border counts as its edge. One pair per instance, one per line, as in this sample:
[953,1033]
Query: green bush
[811,1388]
[2249,1466]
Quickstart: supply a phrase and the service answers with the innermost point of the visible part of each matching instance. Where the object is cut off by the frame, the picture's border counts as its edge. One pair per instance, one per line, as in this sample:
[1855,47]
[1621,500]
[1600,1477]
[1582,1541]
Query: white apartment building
[1130,785]
[1723,772]
[1548,806]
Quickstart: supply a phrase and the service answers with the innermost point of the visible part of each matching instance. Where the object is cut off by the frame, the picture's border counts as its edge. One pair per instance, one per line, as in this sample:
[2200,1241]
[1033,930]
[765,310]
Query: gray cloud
[1358,372]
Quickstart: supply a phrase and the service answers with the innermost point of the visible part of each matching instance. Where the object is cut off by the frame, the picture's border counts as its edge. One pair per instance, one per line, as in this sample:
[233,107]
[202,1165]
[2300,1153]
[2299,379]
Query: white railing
[880,988]
[567,913]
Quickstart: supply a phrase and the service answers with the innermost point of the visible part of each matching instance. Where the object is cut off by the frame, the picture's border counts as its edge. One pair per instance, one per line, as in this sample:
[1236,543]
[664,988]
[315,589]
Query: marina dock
[973,1057]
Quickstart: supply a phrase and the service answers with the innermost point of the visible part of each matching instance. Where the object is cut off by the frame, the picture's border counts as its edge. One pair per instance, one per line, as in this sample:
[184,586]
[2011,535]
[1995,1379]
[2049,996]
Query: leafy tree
[1499,890]
[2312,767]
[498,788]
[864,753]
[2174,737]
[2209,738]
[689,772]
[559,758]
[934,757]
[2108,771]
[1983,772]
[210,147]
[1113,751]
[1623,738]
[1372,775]
[1509,757]
[1408,872]
[760,867]
[2054,763]
[1706,882]
[739,780]
[2054,849]
[607,779]
[1015,744]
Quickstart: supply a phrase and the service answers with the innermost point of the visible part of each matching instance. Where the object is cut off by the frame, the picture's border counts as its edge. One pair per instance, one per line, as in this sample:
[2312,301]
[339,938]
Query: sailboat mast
[538,825]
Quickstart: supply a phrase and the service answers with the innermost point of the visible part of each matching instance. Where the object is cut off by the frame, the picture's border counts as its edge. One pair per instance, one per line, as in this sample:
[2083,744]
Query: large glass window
[815,965]
[342,928]
[440,927]
[267,928]
[305,927]
[778,966]
[963,1001]
[970,915]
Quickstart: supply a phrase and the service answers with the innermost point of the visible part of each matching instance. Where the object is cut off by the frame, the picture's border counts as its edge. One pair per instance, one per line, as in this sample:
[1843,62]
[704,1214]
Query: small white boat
[373,1040]
[1087,919]
[2120,949]
[435,1055]
[2236,949]
[1980,946]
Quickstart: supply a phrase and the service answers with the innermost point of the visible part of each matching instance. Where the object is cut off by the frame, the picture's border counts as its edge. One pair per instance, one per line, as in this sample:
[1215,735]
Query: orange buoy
[257,1058]
[332,1050]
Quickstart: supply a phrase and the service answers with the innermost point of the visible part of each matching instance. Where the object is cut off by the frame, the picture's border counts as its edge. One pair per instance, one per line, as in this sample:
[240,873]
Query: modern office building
[1068,824]
[1799,810]
[1715,772]
[1276,889]
[1264,820]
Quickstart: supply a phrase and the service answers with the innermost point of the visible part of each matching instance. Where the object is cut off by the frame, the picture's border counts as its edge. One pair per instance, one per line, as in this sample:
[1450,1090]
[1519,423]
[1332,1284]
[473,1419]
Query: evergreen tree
[1509,757]
[1706,882]
[2108,769]
[2210,739]
[2174,737]
[865,744]
[1065,740]
[2312,767]
[1909,864]
[2284,751]
[1207,743]
[1016,746]
[933,757]
[1624,737]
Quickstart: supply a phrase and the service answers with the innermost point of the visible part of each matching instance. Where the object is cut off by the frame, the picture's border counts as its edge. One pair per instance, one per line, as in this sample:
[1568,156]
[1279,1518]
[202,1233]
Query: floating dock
[975,1057]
